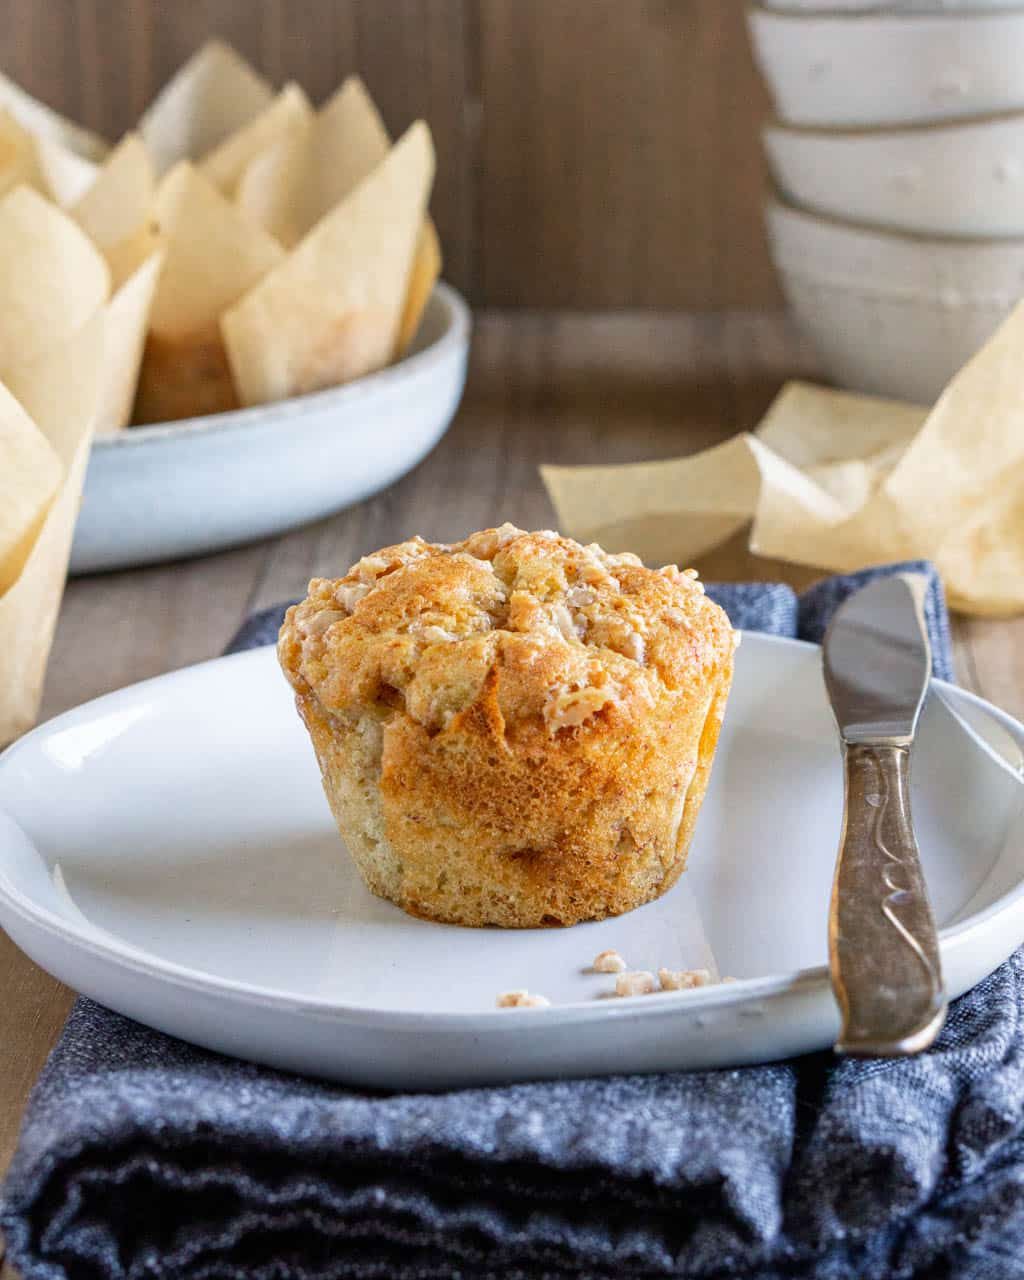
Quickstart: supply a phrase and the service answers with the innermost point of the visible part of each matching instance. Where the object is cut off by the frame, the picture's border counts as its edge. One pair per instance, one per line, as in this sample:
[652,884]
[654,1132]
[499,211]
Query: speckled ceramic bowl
[183,488]
[869,68]
[964,178]
[890,313]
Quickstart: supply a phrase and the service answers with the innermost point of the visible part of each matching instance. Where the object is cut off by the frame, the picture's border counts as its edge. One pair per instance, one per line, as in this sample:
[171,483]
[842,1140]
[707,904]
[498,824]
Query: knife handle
[883,947]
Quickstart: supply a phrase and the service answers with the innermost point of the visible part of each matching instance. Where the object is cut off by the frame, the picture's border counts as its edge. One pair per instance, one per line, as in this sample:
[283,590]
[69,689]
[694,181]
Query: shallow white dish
[184,488]
[869,68]
[891,313]
[965,178]
[168,851]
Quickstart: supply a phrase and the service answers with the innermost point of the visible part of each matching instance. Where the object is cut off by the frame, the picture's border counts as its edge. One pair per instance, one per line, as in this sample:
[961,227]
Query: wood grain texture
[590,153]
[102,63]
[560,388]
[620,155]
[31,1015]
[993,660]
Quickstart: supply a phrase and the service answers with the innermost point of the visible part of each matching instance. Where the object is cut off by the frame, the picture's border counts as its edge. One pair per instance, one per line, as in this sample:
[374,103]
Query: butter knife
[883,946]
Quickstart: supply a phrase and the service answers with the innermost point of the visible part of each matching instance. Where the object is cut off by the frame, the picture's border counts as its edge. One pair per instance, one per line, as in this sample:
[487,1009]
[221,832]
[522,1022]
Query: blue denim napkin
[141,1156]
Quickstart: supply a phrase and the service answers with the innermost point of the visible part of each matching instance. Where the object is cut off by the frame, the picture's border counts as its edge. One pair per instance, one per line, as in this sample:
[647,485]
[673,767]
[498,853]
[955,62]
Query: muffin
[512,730]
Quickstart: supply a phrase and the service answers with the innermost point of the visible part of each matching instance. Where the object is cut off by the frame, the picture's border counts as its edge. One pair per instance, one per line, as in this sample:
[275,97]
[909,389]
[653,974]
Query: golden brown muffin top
[566,631]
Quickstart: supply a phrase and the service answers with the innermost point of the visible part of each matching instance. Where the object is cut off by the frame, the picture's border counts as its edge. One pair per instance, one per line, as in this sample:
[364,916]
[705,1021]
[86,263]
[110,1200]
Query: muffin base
[477,831]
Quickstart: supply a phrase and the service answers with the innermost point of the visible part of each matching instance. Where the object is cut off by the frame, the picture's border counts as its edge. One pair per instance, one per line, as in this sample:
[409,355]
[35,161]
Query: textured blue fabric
[141,1156]
[820,602]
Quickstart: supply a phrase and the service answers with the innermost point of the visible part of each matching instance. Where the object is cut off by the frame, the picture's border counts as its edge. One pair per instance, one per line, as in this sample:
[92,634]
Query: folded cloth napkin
[143,1157]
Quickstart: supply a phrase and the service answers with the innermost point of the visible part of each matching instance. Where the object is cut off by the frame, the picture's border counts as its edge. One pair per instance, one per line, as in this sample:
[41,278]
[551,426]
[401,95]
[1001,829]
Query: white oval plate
[186,488]
[167,850]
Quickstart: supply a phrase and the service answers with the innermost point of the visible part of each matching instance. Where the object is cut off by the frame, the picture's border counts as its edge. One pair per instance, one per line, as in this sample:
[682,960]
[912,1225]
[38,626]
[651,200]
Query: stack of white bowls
[897,152]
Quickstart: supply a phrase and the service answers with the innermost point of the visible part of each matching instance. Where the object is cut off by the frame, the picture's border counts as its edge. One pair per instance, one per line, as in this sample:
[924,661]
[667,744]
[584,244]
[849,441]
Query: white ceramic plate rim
[455,335]
[125,956]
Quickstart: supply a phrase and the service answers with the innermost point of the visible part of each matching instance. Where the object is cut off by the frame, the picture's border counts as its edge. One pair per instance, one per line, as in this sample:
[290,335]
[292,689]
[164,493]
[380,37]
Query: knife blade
[883,945]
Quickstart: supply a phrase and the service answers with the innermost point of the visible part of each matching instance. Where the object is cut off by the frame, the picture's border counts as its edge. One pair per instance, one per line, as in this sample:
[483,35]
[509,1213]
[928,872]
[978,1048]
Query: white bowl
[892,314]
[889,68]
[183,488]
[959,179]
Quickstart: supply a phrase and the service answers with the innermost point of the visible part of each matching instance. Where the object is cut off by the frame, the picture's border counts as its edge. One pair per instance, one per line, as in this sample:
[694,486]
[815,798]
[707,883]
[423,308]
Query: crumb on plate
[522,999]
[608,962]
[683,979]
[640,983]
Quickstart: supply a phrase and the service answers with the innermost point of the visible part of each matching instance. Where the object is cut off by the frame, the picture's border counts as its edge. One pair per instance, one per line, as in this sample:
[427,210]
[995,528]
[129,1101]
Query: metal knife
[883,946]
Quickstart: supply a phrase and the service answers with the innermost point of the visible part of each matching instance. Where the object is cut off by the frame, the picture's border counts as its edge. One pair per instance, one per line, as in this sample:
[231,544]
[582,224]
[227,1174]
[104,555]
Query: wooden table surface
[557,387]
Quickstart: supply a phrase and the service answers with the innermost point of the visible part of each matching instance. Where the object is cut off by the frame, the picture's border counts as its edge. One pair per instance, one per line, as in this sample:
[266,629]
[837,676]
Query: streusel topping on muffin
[574,628]
[507,689]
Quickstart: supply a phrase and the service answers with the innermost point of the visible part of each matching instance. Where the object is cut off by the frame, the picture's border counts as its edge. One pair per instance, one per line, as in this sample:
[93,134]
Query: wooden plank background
[592,153]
